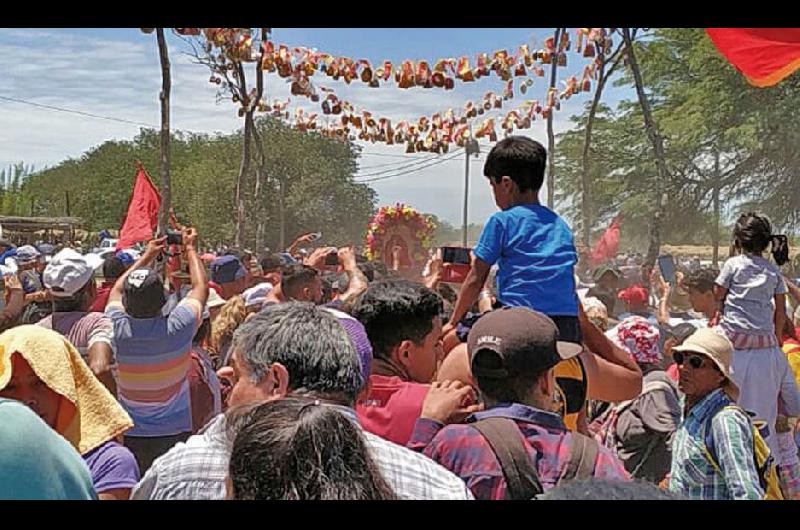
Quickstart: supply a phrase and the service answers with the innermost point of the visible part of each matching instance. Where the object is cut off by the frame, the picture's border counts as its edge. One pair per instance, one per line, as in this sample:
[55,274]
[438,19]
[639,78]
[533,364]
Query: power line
[73,111]
[401,168]
[404,161]
[435,163]
[406,166]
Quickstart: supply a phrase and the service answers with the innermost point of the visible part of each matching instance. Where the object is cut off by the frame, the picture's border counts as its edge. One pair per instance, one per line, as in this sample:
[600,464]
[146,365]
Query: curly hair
[231,316]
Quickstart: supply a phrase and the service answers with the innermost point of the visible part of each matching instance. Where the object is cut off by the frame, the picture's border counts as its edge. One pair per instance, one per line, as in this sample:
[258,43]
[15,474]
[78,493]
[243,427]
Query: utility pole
[471,147]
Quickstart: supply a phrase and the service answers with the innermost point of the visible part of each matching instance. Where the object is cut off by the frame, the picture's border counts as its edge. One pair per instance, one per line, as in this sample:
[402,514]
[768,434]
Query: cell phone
[315,236]
[667,266]
[457,255]
[332,258]
[174,237]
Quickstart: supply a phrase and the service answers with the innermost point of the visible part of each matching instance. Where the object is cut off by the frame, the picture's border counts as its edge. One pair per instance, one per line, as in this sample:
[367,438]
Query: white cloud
[122,79]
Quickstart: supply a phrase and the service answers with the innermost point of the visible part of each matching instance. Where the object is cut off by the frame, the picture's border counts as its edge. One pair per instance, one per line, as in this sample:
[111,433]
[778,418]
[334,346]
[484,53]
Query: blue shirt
[535,254]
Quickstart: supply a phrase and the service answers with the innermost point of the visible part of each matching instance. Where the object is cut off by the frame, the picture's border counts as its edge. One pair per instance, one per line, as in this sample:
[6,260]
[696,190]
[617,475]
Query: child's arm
[611,374]
[794,291]
[780,316]
[470,289]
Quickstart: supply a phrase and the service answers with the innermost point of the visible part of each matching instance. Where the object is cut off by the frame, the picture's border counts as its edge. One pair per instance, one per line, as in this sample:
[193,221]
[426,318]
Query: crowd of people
[316,374]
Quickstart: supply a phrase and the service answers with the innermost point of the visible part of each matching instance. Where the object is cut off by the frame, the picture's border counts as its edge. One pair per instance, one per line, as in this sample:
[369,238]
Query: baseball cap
[256,295]
[633,294]
[602,269]
[143,293]
[67,273]
[126,258]
[515,341]
[227,269]
[27,254]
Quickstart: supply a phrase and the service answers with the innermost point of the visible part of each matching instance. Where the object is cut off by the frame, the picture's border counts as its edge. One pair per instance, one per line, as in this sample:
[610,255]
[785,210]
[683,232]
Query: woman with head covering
[641,430]
[45,372]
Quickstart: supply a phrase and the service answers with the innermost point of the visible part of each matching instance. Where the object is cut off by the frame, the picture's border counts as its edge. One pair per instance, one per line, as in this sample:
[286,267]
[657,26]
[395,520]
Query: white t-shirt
[752,283]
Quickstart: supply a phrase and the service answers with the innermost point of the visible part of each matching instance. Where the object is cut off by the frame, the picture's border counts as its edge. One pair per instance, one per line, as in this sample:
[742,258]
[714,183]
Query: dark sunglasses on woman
[695,361]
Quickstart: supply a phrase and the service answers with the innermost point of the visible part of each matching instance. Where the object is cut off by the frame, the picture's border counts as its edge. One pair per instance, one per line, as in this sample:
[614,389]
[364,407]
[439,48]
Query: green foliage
[318,173]
[705,111]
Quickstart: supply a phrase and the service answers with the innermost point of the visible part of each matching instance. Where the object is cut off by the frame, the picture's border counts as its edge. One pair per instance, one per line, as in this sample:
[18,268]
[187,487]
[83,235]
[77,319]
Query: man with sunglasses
[704,362]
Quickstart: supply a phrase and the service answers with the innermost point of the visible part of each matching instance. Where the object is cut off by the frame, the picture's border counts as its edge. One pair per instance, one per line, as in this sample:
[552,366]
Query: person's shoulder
[113,454]
[414,464]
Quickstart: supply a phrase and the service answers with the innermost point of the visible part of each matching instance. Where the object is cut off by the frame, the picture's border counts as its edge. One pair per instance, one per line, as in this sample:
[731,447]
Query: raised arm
[611,374]
[197,273]
[357,282]
[154,248]
[470,289]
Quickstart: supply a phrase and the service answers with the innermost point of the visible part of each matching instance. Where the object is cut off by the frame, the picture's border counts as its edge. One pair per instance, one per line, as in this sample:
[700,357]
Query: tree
[224,51]
[603,76]
[651,128]
[166,86]
[551,168]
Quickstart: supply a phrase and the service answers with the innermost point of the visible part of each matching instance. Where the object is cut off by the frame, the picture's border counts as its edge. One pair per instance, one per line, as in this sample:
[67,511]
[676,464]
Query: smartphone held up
[458,261]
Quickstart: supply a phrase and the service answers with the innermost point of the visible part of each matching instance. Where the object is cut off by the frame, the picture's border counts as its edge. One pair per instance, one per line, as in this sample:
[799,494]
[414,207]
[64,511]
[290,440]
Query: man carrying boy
[532,246]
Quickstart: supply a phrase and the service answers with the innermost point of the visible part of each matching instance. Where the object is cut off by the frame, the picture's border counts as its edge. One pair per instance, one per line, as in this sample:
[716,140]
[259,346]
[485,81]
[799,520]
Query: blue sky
[115,72]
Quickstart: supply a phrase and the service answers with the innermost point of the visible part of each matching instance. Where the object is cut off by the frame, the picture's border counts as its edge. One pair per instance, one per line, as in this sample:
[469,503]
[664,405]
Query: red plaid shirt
[464,451]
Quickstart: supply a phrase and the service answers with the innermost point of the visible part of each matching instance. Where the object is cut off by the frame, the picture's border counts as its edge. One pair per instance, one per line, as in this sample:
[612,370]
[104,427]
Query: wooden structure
[22,230]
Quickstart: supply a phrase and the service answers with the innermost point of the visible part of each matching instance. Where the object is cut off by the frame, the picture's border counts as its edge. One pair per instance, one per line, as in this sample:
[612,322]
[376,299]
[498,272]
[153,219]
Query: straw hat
[716,347]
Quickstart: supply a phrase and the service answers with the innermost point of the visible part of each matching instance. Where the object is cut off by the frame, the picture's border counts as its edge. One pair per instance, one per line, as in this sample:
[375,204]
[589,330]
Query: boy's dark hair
[701,280]
[504,390]
[752,232]
[519,158]
[296,276]
[271,263]
[396,310]
[113,268]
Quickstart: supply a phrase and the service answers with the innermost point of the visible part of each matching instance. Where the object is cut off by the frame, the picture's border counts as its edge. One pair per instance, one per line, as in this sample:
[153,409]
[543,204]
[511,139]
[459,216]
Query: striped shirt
[154,356]
[82,329]
[693,475]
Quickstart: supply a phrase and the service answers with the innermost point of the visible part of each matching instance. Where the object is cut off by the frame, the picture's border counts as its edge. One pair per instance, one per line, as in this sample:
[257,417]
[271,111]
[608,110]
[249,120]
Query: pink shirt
[391,407]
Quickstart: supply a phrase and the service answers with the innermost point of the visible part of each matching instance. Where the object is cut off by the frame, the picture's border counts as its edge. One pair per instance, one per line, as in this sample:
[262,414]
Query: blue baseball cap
[125,258]
[227,269]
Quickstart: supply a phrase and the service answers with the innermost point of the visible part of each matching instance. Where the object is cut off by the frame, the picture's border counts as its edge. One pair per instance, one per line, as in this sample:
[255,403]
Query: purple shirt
[112,466]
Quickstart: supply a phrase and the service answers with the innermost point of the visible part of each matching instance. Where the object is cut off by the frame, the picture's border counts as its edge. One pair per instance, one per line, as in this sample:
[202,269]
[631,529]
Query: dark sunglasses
[695,361]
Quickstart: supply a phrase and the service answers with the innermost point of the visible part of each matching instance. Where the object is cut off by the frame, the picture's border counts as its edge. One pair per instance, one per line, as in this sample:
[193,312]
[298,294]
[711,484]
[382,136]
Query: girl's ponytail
[780,249]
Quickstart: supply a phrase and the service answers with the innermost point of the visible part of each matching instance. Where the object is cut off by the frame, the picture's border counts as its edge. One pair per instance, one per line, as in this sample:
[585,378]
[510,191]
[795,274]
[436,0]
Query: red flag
[142,217]
[765,56]
[608,244]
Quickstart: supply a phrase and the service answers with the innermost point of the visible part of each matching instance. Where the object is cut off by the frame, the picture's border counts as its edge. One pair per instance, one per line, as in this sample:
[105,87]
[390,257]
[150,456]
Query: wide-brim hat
[718,348]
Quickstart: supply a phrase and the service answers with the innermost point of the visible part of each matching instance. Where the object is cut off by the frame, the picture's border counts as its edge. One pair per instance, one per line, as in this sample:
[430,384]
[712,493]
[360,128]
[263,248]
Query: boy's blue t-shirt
[536,256]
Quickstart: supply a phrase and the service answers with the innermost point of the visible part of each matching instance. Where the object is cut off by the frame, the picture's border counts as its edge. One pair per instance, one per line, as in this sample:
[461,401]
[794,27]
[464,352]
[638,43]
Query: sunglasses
[695,361]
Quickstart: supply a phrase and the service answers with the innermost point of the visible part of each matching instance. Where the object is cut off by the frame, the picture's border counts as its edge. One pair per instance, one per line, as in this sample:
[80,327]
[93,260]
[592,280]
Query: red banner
[142,217]
[765,56]
[608,245]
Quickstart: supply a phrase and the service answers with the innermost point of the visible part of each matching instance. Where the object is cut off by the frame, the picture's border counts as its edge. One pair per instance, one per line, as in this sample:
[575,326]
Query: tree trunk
[586,194]
[715,200]
[261,161]
[282,213]
[166,86]
[651,128]
[244,167]
[551,139]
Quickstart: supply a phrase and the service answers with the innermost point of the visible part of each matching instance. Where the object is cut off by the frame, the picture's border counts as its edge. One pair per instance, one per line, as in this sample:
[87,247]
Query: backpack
[604,427]
[763,460]
[522,479]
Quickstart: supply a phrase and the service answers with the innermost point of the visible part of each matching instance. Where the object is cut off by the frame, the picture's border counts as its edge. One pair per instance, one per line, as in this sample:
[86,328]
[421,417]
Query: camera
[332,258]
[174,237]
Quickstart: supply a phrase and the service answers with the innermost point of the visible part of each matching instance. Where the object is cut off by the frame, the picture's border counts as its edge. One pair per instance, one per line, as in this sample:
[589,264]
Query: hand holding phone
[666,265]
